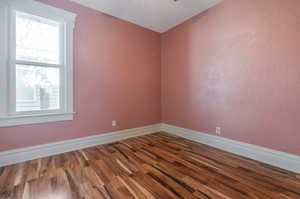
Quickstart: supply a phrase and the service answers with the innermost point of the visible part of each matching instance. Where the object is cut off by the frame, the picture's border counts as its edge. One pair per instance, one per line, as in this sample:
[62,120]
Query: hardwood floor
[148,167]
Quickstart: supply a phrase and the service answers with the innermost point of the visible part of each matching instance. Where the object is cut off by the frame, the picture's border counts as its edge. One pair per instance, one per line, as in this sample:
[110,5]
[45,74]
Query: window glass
[37,88]
[26,92]
[37,39]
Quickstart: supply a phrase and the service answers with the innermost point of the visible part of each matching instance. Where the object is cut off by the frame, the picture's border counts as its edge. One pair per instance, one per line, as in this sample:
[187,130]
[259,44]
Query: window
[36,63]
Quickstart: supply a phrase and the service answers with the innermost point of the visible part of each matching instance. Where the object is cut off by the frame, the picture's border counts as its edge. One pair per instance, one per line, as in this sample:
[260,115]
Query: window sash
[46,20]
[62,105]
[13,99]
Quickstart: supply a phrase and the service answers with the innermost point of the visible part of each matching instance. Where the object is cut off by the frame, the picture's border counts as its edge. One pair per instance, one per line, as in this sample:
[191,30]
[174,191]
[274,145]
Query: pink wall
[117,76]
[237,66]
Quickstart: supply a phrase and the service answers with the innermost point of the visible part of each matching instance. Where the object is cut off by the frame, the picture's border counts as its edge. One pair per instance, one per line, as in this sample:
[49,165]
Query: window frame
[8,114]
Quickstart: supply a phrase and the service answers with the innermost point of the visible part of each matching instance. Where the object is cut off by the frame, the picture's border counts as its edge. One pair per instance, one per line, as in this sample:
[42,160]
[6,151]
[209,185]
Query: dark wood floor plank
[156,166]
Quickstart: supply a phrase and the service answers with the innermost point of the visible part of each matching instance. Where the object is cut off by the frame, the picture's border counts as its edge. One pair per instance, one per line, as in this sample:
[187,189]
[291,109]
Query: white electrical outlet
[114,123]
[218,130]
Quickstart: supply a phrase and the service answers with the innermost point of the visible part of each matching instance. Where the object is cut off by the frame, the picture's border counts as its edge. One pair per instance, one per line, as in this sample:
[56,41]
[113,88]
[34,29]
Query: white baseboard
[45,150]
[276,158]
[269,156]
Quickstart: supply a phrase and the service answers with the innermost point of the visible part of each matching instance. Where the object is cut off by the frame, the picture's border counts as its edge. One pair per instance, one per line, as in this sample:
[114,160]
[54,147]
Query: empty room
[149,99]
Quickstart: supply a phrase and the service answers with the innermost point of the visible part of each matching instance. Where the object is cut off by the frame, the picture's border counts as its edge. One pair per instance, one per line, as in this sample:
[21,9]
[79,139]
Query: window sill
[35,119]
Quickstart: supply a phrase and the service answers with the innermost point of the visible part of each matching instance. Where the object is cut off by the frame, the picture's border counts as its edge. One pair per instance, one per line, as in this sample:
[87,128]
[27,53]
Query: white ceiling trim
[157,15]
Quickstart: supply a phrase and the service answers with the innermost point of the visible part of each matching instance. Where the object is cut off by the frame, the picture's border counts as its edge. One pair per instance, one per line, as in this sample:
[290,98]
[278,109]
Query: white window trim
[7,116]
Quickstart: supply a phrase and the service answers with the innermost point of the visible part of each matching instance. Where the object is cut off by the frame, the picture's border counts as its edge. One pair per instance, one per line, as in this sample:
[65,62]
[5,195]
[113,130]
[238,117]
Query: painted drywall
[117,77]
[236,66]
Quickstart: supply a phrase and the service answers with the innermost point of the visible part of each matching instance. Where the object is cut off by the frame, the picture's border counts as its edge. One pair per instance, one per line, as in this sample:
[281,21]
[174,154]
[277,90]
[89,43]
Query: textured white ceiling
[157,15]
